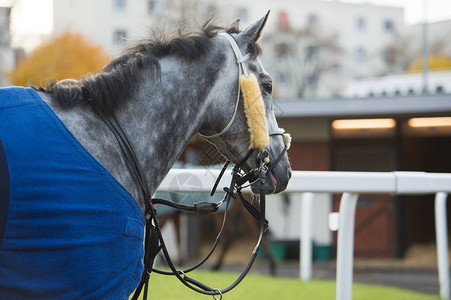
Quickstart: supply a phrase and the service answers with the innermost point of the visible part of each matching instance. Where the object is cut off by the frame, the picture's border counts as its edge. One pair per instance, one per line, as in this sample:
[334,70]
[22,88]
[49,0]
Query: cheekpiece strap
[240,58]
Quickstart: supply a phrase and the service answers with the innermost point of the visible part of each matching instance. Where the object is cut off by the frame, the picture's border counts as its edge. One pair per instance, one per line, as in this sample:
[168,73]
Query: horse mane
[109,88]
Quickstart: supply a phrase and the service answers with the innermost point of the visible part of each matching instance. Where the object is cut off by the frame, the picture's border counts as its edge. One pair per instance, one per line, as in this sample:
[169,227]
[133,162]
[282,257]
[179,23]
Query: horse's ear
[235,26]
[252,34]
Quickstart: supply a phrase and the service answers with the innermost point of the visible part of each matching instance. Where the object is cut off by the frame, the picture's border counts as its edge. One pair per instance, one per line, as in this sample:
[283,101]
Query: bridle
[242,69]
[154,242]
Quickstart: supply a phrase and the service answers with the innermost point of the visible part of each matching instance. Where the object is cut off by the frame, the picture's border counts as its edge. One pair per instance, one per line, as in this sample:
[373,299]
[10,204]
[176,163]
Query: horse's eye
[267,87]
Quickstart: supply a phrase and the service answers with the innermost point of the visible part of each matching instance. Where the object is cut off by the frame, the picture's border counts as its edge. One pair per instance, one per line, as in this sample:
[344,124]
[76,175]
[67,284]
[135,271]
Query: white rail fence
[350,184]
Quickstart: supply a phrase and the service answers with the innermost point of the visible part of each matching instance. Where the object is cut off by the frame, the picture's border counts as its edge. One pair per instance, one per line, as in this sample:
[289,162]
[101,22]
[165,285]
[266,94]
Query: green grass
[272,288]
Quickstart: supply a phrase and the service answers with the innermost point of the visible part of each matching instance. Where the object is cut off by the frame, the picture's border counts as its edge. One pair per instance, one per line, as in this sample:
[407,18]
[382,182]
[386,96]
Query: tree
[301,61]
[405,53]
[436,63]
[399,54]
[67,56]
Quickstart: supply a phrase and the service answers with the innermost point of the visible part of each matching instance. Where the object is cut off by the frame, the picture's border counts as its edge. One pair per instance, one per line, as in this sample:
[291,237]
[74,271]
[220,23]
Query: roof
[400,84]
[365,107]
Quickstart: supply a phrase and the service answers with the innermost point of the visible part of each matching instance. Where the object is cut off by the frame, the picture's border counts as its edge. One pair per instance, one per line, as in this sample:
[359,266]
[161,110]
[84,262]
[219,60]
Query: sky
[31,22]
[437,10]
[32,19]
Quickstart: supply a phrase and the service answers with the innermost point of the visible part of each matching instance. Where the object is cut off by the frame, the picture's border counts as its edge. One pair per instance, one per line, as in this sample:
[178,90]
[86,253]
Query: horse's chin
[277,181]
[272,185]
[282,180]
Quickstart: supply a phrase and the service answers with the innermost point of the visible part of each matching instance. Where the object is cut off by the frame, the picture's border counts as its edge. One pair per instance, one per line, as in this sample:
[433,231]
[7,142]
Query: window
[335,68]
[335,38]
[283,22]
[311,53]
[312,21]
[282,77]
[311,81]
[119,37]
[361,24]
[119,5]
[389,55]
[242,14]
[388,26]
[155,7]
[4,38]
[360,55]
[211,8]
[152,7]
[282,49]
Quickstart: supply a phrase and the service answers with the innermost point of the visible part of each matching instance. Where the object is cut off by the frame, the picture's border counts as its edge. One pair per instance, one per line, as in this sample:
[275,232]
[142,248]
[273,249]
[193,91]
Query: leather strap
[240,58]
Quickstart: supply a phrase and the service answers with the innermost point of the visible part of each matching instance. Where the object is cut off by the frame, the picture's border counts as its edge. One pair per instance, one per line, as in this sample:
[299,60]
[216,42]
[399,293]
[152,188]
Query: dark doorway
[375,223]
[429,154]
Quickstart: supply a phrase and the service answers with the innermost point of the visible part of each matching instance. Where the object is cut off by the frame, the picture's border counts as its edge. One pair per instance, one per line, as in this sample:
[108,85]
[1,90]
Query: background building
[438,38]
[327,43]
[438,82]
[110,23]
[386,226]
[7,60]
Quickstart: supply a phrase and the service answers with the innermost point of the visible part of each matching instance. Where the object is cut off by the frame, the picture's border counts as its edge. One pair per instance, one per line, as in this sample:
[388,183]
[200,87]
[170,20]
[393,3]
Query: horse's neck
[159,121]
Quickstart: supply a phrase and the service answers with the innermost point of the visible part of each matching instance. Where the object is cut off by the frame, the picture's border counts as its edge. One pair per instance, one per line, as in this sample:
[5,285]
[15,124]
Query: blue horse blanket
[68,229]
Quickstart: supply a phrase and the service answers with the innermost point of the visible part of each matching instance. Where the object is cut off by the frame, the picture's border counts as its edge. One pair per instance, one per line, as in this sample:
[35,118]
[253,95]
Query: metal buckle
[220,294]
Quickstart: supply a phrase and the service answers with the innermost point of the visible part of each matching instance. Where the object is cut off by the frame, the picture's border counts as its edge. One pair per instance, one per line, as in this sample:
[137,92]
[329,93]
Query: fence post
[345,245]
[442,244]
[306,236]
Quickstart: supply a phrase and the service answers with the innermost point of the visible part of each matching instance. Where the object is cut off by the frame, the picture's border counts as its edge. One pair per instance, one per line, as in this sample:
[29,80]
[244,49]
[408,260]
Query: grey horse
[163,91]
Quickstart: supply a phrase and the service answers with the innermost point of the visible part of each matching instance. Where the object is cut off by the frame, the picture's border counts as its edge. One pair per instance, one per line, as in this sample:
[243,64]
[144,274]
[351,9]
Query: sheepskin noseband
[255,112]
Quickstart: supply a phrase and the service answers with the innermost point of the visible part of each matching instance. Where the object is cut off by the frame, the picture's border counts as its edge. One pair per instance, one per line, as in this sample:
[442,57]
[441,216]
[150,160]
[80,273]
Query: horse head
[241,121]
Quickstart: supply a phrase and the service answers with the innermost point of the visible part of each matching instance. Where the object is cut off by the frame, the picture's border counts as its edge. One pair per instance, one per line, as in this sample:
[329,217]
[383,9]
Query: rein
[154,242]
